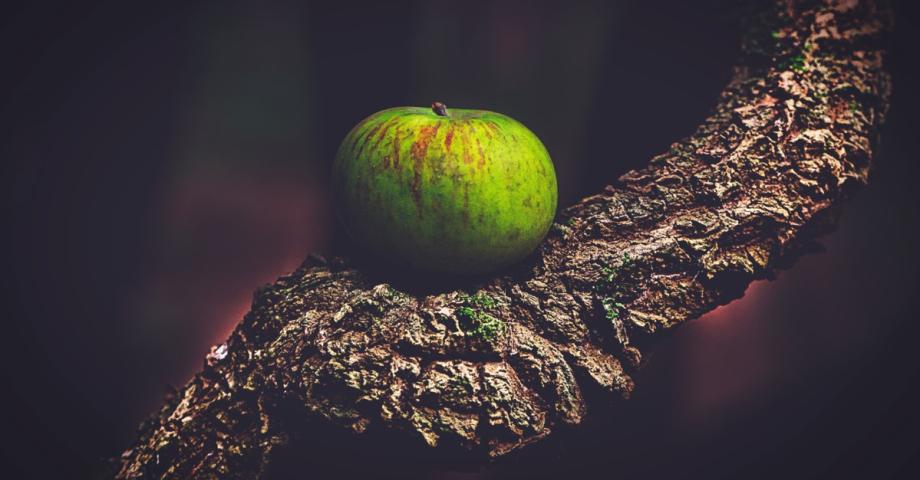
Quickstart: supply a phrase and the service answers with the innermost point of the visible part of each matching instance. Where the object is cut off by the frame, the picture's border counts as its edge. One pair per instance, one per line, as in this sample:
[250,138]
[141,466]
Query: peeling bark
[495,366]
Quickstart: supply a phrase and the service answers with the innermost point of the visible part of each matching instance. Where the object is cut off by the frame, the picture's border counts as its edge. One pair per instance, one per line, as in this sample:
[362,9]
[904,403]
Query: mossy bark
[500,364]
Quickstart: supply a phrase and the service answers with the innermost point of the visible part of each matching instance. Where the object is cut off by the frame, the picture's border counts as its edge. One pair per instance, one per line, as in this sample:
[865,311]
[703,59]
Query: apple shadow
[414,281]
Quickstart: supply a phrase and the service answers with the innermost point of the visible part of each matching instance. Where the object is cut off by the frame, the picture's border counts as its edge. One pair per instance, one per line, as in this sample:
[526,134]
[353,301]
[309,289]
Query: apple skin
[459,192]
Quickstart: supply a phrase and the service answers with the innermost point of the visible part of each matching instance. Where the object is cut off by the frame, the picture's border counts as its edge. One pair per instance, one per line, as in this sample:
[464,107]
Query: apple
[458,192]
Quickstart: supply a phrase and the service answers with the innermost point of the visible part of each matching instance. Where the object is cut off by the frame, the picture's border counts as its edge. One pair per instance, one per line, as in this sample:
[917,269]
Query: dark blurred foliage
[161,161]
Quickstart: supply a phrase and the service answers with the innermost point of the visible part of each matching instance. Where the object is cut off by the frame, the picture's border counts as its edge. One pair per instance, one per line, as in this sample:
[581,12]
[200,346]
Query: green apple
[458,192]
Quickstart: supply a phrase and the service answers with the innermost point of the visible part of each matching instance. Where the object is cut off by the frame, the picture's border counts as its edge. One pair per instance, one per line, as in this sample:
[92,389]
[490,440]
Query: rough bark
[498,365]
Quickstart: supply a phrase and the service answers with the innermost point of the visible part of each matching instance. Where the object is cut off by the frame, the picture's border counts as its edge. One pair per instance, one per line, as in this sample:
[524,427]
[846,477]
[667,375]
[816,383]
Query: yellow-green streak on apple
[459,191]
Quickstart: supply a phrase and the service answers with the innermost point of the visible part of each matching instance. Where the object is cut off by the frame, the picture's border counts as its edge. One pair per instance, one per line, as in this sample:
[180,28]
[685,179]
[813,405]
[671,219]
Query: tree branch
[508,361]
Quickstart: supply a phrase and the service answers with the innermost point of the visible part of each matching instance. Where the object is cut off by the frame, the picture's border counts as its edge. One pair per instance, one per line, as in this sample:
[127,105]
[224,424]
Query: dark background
[160,162]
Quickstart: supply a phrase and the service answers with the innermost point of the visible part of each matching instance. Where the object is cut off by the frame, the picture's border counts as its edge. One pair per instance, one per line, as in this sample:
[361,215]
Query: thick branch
[521,356]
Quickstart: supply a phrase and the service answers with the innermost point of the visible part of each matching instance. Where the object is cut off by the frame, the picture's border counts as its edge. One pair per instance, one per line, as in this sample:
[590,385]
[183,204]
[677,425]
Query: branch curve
[489,369]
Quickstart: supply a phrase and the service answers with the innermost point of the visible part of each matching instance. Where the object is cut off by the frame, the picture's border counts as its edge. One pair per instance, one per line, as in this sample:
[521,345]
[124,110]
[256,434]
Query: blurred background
[161,161]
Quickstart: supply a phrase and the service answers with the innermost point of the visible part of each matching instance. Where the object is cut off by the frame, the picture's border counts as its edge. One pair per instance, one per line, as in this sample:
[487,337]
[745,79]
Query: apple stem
[439,108]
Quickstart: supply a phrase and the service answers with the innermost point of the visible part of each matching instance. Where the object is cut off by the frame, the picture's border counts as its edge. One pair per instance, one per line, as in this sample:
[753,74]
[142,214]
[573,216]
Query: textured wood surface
[487,368]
